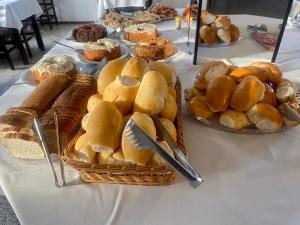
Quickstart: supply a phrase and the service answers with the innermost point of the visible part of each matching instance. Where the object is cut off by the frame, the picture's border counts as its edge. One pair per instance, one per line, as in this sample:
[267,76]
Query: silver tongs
[142,141]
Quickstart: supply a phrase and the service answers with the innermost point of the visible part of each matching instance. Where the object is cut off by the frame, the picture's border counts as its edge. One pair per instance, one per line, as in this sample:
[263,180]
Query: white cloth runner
[249,179]
[14,11]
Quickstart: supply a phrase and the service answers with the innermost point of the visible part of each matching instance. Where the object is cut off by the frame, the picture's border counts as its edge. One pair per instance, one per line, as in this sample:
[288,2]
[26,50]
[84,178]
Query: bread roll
[234,119]
[109,73]
[172,91]
[157,159]
[285,91]
[269,95]
[276,76]
[86,154]
[209,72]
[81,141]
[104,127]
[133,155]
[208,35]
[122,92]
[191,92]
[93,101]
[234,32]
[218,93]
[169,110]
[135,68]
[151,94]
[207,18]
[116,158]
[265,117]
[224,35]
[84,121]
[198,106]
[239,73]
[164,69]
[223,22]
[170,127]
[249,91]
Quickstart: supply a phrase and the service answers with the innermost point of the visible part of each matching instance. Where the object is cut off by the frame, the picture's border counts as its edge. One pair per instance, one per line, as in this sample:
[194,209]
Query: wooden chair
[49,15]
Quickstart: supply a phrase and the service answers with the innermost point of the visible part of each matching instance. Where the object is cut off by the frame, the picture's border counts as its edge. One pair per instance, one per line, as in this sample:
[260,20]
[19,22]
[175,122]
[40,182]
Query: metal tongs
[142,141]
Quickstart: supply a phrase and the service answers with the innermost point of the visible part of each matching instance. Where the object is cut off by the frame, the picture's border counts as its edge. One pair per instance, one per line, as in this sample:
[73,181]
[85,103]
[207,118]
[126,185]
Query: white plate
[124,54]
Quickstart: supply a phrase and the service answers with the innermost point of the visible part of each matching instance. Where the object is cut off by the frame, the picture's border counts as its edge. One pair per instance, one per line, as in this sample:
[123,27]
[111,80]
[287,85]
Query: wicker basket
[127,174]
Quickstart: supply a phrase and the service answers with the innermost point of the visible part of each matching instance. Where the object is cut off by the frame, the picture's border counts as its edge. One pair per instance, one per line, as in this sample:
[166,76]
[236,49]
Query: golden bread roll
[223,22]
[164,69]
[122,92]
[208,35]
[209,72]
[116,158]
[170,127]
[109,73]
[239,73]
[224,35]
[157,159]
[276,76]
[218,93]
[135,68]
[81,141]
[151,94]
[172,91]
[234,32]
[269,95]
[265,117]
[285,91]
[234,119]
[207,18]
[93,101]
[191,92]
[84,121]
[198,106]
[169,110]
[104,127]
[86,154]
[248,92]
[103,157]
[131,153]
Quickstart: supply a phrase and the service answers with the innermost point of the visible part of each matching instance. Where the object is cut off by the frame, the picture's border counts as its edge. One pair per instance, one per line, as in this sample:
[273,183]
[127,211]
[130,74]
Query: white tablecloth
[249,179]
[13,11]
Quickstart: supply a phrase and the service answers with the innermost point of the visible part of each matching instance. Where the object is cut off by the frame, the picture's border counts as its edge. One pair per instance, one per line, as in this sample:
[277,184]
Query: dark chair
[49,15]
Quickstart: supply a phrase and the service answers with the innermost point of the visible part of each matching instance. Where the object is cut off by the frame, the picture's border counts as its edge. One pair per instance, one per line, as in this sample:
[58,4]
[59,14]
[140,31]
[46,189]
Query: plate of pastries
[241,99]
[88,32]
[163,11]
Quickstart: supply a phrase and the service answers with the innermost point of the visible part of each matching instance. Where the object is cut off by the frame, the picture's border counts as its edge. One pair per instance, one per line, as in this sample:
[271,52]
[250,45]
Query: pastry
[135,68]
[198,107]
[224,35]
[234,119]
[163,11]
[169,110]
[207,18]
[116,20]
[241,72]
[285,91]
[234,32]
[140,32]
[276,76]
[223,22]
[89,32]
[269,95]
[145,17]
[208,35]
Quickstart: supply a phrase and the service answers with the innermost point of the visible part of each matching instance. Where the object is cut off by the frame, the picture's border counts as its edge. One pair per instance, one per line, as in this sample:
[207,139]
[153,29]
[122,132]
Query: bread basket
[127,174]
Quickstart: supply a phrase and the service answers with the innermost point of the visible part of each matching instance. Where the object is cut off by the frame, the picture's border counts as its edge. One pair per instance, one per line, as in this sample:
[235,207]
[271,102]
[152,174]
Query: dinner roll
[265,117]
[164,69]
[104,127]
[131,153]
[218,93]
[208,35]
[207,18]
[248,92]
[276,76]
[269,95]
[86,154]
[135,68]
[81,141]
[151,94]
[223,22]
[191,92]
[208,72]
[239,73]
[93,101]
[224,35]
[285,91]
[170,127]
[172,91]
[169,110]
[198,106]
[157,159]
[234,32]
[84,121]
[234,119]
[109,73]
[122,92]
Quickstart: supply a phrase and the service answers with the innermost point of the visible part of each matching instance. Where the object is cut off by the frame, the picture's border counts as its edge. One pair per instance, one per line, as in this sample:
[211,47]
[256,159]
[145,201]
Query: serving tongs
[137,137]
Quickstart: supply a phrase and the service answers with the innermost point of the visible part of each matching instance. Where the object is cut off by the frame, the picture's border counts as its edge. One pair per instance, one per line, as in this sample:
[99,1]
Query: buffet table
[249,179]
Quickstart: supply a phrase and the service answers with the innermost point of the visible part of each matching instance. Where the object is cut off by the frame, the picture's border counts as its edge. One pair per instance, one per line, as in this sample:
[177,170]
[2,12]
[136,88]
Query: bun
[198,106]
[172,92]
[105,117]
[285,91]
[122,92]
[234,32]
[248,92]
[85,120]
[234,119]
[86,154]
[218,93]
[269,96]
[207,18]
[265,117]
[191,92]
[170,127]
[169,110]
[164,69]
[208,35]
[223,22]
[93,101]
[276,76]
[133,155]
[224,35]
[135,68]
[241,72]
[151,94]
[81,141]
[109,73]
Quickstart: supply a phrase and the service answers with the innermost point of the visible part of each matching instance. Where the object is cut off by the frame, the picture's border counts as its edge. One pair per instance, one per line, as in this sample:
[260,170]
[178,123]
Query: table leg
[19,44]
[37,32]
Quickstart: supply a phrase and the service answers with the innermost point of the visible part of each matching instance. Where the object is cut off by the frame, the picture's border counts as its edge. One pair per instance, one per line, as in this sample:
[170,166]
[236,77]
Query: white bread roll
[269,95]
[151,94]
[122,92]
[109,73]
[115,158]
[93,101]
[218,93]
[265,117]
[208,35]
[135,68]
[86,154]
[85,120]
[248,93]
[170,127]
[223,22]
[191,92]
[169,110]
[241,72]
[234,119]
[198,106]
[285,91]
[81,141]
[104,127]
[157,159]
[133,155]
[209,72]
[207,18]
[164,69]
[276,76]
[224,35]
[172,91]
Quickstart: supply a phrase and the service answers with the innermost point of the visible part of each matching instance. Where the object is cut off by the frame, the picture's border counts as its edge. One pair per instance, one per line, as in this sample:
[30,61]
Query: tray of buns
[246,100]
[127,89]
